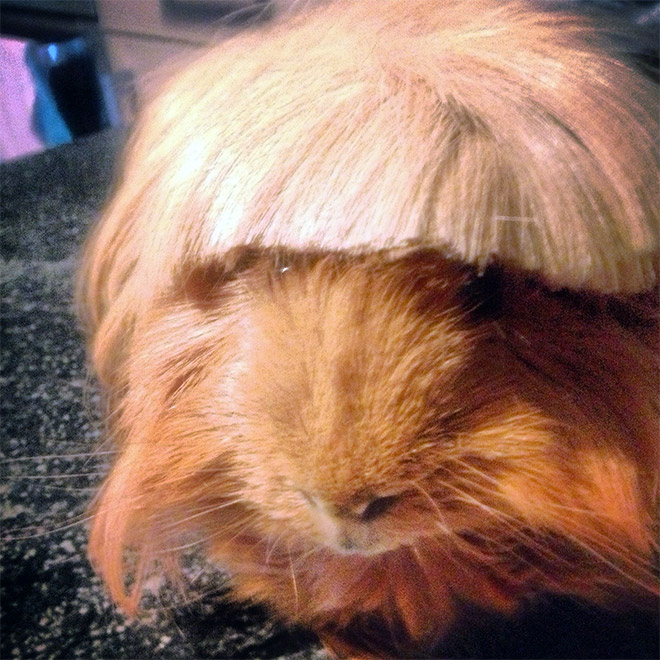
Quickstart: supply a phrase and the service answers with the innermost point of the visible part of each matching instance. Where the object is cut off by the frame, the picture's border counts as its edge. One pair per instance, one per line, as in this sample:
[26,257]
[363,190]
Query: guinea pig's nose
[364,511]
[373,508]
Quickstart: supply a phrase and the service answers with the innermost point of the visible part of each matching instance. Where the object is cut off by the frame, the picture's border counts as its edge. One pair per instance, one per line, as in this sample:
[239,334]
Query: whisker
[10,535]
[293,580]
[273,546]
[550,504]
[66,475]
[443,525]
[191,599]
[600,538]
[57,456]
[301,557]
[467,498]
[463,463]
[516,526]
[217,507]
[592,538]
[241,524]
[68,489]
[617,569]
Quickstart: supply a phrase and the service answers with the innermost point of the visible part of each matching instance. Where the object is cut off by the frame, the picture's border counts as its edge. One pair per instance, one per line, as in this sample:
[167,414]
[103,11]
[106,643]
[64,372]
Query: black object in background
[68,90]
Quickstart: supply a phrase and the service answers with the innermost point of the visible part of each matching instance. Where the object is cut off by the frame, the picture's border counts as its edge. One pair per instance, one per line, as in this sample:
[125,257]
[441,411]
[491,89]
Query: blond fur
[481,127]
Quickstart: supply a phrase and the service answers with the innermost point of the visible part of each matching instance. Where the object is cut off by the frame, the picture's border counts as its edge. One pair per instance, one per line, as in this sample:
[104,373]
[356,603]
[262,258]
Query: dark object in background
[69,98]
[67,62]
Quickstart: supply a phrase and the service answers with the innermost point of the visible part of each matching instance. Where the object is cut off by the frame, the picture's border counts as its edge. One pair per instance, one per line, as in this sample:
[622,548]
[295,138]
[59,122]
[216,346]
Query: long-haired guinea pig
[375,307]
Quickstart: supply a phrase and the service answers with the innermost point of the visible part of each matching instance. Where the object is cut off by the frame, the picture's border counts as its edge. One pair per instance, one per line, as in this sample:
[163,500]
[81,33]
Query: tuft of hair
[509,129]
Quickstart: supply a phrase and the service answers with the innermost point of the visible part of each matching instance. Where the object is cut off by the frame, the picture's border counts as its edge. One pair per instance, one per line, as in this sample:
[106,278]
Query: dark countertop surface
[53,606]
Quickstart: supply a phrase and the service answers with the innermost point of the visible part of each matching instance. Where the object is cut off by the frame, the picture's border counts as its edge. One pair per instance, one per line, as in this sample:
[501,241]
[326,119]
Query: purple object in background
[17,95]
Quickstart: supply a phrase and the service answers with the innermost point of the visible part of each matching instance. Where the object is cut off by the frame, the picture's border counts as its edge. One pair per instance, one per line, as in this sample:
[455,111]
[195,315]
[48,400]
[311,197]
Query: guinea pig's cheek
[283,513]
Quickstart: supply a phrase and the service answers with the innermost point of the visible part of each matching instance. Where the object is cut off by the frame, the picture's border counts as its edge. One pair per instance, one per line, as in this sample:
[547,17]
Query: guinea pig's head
[356,407]
[342,396]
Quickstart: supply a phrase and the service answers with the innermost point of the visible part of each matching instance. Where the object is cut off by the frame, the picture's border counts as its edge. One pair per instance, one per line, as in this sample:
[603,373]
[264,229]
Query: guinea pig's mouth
[348,546]
[357,539]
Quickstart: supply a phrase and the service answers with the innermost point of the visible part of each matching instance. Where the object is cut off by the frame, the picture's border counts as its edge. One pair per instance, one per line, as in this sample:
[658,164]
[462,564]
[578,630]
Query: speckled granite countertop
[52,604]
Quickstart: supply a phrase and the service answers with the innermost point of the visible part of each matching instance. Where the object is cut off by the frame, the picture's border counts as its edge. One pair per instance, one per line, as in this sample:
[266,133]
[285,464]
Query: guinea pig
[375,307]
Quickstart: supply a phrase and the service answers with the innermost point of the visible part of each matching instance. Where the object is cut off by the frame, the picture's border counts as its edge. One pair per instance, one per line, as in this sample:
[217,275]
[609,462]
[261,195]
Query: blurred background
[69,68]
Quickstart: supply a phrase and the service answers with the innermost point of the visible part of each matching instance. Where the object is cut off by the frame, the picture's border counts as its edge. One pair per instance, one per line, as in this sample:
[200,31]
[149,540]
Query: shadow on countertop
[53,606]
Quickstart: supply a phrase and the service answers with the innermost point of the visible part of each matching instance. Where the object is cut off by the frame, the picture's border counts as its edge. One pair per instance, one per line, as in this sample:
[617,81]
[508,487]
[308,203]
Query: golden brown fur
[310,368]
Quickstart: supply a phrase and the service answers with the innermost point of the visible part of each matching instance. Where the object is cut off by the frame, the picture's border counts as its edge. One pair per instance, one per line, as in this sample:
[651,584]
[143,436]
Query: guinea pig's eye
[481,296]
